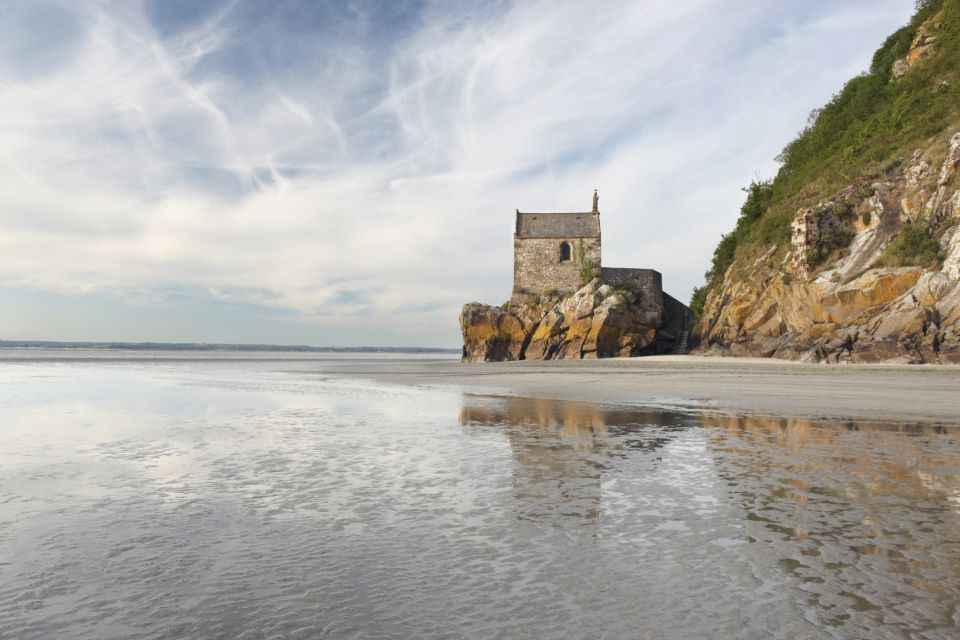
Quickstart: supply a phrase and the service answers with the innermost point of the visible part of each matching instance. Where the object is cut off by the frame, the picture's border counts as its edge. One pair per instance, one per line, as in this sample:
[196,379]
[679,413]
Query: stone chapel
[561,251]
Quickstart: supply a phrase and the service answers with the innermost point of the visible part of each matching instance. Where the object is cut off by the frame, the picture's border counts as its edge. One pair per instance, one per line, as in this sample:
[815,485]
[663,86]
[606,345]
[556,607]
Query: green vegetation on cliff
[913,248]
[867,130]
[759,195]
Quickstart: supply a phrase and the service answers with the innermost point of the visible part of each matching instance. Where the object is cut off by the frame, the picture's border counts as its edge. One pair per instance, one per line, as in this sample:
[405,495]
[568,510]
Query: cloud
[358,168]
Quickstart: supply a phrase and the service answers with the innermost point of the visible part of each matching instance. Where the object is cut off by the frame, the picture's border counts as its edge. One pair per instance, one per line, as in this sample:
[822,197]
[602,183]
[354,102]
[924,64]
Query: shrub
[865,191]
[842,211]
[753,209]
[698,299]
[913,248]
[835,238]
[586,266]
[586,272]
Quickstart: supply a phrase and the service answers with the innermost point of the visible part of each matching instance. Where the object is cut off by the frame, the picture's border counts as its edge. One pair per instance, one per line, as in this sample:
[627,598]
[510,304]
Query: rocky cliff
[830,296]
[597,321]
[867,271]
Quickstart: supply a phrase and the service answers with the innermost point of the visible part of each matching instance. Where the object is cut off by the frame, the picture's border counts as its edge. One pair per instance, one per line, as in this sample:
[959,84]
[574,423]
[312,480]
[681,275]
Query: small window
[564,252]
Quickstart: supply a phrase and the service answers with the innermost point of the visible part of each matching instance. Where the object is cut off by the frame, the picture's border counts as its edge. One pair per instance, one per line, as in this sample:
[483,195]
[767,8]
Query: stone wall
[815,233]
[804,243]
[648,281]
[678,315]
[537,266]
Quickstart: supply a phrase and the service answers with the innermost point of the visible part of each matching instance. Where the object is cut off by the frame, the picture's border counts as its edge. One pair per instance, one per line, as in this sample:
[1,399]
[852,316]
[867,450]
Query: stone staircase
[682,347]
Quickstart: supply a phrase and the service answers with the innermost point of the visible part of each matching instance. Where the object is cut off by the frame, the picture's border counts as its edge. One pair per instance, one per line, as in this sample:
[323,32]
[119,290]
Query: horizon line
[214,346]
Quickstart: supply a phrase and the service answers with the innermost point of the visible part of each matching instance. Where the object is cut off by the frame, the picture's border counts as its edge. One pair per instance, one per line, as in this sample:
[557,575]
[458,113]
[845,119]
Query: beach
[740,386]
[761,387]
[225,494]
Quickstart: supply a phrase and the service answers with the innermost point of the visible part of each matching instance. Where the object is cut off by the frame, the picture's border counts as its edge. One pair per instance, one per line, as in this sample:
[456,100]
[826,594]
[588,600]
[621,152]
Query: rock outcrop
[921,48]
[829,297]
[597,321]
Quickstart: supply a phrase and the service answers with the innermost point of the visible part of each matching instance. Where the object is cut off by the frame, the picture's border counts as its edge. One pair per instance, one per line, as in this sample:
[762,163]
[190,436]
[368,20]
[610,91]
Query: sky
[346,173]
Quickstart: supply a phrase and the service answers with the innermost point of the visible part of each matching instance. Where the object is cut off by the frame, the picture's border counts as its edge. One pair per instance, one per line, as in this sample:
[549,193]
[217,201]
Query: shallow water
[246,498]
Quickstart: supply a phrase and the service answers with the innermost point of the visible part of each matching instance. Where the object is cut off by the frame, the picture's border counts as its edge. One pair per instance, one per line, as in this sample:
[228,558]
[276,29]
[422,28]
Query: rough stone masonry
[561,252]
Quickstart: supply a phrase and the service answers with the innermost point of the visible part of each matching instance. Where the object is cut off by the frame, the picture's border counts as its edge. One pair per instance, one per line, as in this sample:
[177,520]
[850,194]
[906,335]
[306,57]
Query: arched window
[564,252]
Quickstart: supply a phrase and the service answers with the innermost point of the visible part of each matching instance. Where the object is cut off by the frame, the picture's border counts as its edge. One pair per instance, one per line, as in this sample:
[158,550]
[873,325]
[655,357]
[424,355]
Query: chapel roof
[558,225]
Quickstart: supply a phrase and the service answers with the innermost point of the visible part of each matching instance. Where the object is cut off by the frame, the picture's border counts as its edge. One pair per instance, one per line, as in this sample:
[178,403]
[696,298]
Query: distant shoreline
[204,346]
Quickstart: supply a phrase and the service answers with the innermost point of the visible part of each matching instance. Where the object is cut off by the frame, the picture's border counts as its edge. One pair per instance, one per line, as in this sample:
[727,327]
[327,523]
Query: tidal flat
[350,496]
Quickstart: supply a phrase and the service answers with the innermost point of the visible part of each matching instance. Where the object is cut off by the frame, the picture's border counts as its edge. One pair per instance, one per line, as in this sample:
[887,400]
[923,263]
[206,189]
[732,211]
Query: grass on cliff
[759,195]
[868,129]
[913,248]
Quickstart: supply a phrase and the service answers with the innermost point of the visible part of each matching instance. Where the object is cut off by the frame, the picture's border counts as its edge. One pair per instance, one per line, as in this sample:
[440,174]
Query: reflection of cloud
[245,150]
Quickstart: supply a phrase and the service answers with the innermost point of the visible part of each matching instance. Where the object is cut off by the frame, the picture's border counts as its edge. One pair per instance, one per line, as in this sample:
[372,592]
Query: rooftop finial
[596,201]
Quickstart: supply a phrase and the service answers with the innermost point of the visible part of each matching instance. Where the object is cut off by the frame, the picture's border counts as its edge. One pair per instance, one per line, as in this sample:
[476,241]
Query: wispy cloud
[357,168]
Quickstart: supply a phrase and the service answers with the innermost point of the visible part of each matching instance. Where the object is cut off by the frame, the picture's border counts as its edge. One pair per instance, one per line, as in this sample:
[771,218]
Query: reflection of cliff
[813,451]
[561,448]
[870,505]
[889,490]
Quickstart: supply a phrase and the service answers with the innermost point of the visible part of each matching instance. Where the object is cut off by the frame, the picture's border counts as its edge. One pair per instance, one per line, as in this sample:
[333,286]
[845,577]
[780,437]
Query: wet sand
[237,496]
[925,394]
[896,393]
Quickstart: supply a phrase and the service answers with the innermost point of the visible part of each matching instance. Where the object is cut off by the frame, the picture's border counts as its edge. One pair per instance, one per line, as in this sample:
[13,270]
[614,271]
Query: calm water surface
[256,499]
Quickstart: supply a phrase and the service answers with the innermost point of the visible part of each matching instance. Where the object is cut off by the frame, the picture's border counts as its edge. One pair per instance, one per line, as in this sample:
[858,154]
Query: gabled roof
[558,225]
